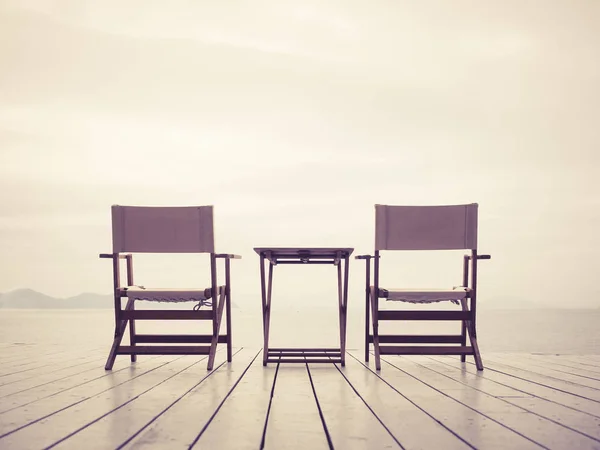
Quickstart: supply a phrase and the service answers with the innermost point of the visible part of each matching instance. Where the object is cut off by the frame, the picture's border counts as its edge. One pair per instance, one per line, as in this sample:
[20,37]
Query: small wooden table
[304,255]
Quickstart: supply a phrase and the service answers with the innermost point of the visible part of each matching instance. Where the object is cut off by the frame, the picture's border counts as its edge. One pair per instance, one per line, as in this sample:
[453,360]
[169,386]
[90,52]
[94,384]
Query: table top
[303,252]
[296,255]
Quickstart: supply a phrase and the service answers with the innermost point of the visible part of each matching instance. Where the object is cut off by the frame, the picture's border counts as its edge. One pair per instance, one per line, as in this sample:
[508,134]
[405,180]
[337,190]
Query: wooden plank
[305,355]
[164,350]
[245,411]
[149,314]
[301,350]
[298,262]
[46,369]
[89,378]
[52,370]
[58,423]
[417,339]
[22,354]
[530,387]
[494,393]
[170,415]
[539,365]
[177,339]
[576,420]
[472,426]
[294,415]
[302,360]
[425,350]
[540,429]
[389,404]
[584,360]
[45,378]
[17,353]
[546,378]
[424,315]
[40,358]
[350,423]
[571,363]
[20,358]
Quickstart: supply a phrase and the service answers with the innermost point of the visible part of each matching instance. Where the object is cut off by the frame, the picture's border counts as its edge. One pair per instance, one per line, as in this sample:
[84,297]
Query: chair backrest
[150,229]
[426,227]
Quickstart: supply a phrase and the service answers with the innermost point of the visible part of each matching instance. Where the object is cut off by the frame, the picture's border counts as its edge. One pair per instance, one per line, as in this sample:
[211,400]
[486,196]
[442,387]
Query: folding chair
[424,228]
[167,230]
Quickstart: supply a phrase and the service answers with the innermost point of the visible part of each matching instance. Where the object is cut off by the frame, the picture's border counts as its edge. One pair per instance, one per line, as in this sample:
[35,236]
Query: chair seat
[167,295]
[425,295]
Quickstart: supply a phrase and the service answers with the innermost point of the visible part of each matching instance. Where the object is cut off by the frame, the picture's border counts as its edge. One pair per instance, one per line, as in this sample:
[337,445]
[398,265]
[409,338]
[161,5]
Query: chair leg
[119,332]
[463,337]
[468,325]
[228,320]
[367,325]
[113,350]
[374,306]
[216,329]
[228,308]
[132,333]
[476,354]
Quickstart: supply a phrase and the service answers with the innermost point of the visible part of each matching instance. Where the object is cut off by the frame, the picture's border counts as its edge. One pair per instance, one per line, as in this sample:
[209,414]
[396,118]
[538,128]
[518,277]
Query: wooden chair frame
[467,317]
[220,300]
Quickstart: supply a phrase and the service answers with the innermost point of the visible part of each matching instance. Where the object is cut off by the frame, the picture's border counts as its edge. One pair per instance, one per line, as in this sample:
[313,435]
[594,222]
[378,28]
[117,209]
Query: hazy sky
[293,119]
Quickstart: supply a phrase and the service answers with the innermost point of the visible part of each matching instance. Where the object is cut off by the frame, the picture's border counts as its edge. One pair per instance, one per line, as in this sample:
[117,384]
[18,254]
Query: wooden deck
[51,396]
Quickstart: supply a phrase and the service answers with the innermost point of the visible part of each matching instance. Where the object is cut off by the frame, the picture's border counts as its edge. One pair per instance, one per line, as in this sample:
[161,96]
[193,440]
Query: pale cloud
[125,150]
[272,28]
[293,119]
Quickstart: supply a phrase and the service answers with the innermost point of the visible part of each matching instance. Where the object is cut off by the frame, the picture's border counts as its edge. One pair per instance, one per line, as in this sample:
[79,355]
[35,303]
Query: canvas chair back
[163,229]
[426,227]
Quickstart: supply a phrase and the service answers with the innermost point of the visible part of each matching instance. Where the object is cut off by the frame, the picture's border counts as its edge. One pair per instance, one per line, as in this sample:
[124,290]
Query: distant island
[30,299]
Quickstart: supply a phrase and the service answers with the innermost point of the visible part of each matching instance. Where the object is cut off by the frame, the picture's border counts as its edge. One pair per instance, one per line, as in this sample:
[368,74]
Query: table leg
[341,307]
[264,307]
[343,301]
[266,290]
[346,272]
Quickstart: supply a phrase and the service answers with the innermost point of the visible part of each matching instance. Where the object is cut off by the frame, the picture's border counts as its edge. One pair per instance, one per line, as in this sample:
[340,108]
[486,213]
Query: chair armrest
[468,257]
[363,257]
[112,255]
[227,256]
